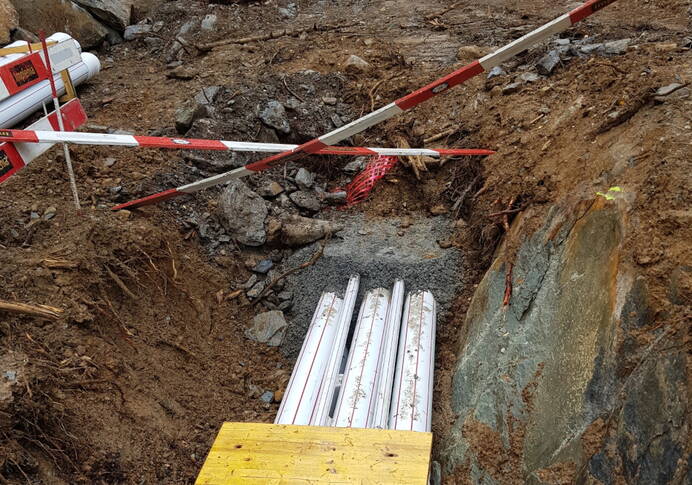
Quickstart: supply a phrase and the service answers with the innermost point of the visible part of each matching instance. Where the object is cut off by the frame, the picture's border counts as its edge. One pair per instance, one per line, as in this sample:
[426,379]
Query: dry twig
[272,35]
[442,12]
[43,311]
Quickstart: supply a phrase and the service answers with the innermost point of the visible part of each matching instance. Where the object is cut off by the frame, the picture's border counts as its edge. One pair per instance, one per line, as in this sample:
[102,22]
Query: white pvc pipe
[356,401]
[20,106]
[413,383]
[387,363]
[300,397]
[326,393]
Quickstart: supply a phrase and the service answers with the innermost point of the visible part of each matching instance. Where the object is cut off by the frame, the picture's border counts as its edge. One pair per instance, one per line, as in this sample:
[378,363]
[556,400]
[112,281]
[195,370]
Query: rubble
[304,178]
[9,21]
[306,200]
[548,62]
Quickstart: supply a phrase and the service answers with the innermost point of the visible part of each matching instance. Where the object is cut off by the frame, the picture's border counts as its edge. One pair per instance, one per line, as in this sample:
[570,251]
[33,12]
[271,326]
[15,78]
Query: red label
[10,161]
[22,73]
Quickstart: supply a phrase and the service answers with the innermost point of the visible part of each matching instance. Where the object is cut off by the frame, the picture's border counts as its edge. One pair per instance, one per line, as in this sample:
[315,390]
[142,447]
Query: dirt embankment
[132,383]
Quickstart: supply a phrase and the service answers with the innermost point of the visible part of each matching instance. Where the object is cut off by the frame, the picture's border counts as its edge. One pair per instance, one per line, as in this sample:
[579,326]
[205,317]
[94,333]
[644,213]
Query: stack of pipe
[387,379]
[65,54]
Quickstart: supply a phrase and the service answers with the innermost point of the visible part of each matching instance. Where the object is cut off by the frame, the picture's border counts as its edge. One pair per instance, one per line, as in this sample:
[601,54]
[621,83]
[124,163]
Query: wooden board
[277,454]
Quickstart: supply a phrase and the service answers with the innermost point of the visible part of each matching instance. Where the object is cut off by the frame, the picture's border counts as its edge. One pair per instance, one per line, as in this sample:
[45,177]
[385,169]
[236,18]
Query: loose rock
[306,200]
[134,31]
[511,88]
[268,328]
[496,71]
[209,22]
[305,179]
[298,231]
[243,213]
[263,266]
[274,116]
[270,190]
[355,63]
[548,63]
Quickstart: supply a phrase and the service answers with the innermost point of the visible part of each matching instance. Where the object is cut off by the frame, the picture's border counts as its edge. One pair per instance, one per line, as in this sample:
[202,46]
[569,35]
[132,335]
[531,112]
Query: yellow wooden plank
[20,49]
[276,454]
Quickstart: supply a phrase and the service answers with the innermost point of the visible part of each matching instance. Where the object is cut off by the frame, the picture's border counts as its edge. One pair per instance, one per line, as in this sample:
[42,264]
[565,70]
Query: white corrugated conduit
[300,398]
[387,380]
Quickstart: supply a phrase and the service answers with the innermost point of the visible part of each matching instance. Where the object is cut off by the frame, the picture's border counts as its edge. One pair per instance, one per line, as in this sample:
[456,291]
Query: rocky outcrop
[61,16]
[9,20]
[115,13]
[557,386]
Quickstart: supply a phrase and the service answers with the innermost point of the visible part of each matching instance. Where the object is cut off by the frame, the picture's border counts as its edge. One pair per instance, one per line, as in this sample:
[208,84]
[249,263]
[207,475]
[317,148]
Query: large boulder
[61,16]
[558,386]
[9,20]
[242,213]
[116,13]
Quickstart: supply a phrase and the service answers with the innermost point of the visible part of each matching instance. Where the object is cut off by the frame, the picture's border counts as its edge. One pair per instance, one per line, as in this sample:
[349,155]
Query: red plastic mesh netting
[363,183]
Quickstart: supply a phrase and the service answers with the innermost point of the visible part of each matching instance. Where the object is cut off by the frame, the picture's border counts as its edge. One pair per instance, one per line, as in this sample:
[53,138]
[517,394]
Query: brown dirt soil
[132,384]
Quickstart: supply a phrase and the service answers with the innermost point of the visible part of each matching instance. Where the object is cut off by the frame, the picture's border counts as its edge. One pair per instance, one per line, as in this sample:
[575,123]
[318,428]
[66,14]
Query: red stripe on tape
[440,86]
[10,161]
[178,143]
[151,199]
[284,157]
[313,146]
[334,150]
[580,13]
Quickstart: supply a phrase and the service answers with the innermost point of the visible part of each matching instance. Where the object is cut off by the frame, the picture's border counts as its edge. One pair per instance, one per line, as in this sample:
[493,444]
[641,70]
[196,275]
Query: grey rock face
[242,213]
[61,16]
[116,13]
[274,116]
[268,328]
[557,362]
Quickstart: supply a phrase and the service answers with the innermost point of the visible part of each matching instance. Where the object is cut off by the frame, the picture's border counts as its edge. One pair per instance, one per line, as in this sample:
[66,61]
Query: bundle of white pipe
[357,396]
[329,381]
[387,362]
[411,407]
[300,398]
[388,377]
[23,104]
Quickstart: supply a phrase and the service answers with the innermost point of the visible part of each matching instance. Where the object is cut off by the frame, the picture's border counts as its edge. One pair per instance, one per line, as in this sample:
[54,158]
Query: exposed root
[120,283]
[43,311]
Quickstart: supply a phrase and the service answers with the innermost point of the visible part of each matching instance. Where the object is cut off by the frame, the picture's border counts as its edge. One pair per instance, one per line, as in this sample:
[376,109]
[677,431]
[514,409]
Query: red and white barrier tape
[79,138]
[15,156]
[399,106]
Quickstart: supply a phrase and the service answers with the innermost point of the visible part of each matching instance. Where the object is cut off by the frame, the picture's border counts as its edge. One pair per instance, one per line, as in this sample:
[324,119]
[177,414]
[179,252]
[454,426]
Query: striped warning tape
[399,106]
[15,156]
[79,138]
